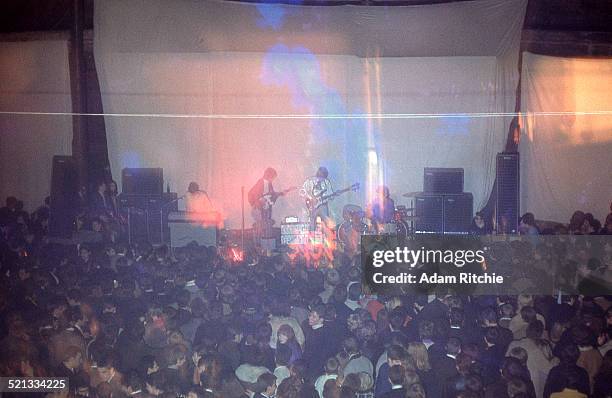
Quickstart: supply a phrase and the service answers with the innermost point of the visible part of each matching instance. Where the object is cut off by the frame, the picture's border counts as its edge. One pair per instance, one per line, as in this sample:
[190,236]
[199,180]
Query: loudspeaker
[142,181]
[442,180]
[458,211]
[429,208]
[63,202]
[146,215]
[507,204]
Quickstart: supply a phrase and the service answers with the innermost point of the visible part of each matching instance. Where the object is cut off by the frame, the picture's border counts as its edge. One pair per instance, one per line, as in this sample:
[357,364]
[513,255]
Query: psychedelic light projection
[341,139]
[346,145]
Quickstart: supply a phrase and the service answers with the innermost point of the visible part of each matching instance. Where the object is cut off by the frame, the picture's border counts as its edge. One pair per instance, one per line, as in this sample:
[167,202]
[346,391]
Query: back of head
[517,386]
[534,330]
[528,314]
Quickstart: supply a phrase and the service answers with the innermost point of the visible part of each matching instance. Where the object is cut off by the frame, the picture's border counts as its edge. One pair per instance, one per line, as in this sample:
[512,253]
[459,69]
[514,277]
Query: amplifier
[439,180]
[299,234]
[188,227]
[142,181]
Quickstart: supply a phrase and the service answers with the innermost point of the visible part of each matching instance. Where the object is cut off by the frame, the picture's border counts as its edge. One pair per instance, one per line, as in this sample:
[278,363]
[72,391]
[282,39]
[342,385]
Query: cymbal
[410,194]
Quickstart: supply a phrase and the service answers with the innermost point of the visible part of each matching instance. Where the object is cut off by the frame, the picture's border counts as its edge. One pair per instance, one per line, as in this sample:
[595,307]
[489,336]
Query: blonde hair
[418,352]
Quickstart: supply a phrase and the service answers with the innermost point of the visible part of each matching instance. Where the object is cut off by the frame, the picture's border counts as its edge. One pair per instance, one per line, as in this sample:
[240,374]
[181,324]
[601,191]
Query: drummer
[382,208]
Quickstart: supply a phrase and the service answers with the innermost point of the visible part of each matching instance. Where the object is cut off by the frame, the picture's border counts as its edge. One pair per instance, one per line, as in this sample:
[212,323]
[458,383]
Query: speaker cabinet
[63,202]
[142,181]
[458,211]
[443,180]
[429,209]
[448,214]
[147,215]
[507,208]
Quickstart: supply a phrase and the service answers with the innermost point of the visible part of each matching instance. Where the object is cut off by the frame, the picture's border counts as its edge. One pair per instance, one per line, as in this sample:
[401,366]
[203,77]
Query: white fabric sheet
[34,77]
[566,161]
[221,58]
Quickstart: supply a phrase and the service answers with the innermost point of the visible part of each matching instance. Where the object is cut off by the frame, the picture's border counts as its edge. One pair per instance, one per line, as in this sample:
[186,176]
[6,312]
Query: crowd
[136,320]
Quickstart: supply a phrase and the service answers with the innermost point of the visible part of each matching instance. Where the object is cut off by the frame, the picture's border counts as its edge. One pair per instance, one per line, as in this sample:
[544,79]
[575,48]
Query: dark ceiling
[564,15]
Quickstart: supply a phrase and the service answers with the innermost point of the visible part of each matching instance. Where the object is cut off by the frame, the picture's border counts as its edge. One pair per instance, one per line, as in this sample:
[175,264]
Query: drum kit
[356,223]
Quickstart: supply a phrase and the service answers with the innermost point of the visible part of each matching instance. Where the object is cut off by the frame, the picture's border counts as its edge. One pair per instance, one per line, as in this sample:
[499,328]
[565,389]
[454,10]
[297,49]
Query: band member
[382,209]
[196,200]
[315,190]
[262,196]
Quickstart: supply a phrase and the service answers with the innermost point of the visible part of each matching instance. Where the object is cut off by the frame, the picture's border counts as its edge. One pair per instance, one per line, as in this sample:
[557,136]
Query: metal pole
[242,232]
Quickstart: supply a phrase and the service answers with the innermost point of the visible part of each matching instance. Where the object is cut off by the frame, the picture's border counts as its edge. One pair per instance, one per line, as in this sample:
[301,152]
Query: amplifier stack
[443,207]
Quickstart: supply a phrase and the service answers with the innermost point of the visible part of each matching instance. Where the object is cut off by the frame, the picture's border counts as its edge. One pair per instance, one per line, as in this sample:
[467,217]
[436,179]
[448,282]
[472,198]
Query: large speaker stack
[443,207]
[63,201]
[507,195]
[145,206]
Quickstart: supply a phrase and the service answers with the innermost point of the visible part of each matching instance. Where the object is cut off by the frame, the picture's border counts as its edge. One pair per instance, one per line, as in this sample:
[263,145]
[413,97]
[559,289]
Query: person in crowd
[119,318]
[555,382]
[479,226]
[540,358]
[527,225]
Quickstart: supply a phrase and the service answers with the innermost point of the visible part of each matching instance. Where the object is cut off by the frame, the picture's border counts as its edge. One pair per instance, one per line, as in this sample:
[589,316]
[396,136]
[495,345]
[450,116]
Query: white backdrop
[230,60]
[34,77]
[566,161]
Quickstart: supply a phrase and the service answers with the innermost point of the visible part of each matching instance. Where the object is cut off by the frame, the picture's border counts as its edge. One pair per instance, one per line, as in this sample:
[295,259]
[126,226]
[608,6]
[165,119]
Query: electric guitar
[266,201]
[313,203]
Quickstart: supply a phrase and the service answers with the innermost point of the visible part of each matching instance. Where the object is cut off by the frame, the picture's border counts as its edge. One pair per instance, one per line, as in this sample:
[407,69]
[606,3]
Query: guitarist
[262,196]
[315,188]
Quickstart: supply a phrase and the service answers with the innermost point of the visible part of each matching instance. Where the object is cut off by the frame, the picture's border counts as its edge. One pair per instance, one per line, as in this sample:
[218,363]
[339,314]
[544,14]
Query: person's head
[134,383]
[396,355]
[463,363]
[456,317]
[105,362]
[569,354]
[96,225]
[418,352]
[354,291]
[512,368]
[72,357]
[285,334]
[315,317]
[193,187]
[149,363]
[582,336]
[519,353]
[84,253]
[415,390]
[266,384]
[453,346]
[322,172]
[332,365]
[488,317]
[269,174]
[534,330]
[289,388]
[479,219]
[350,345]
[517,386]
[383,191]
[101,187]
[528,314]
[528,219]
[331,389]
[112,187]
